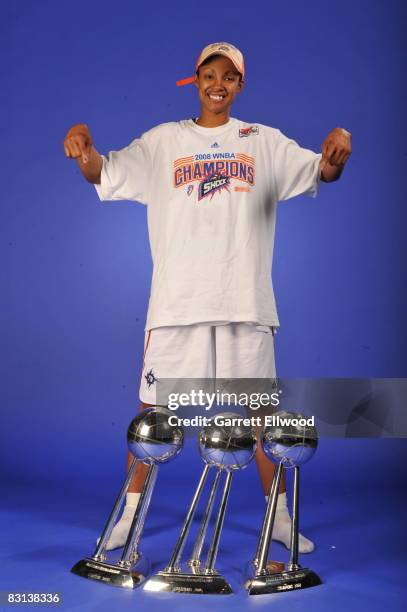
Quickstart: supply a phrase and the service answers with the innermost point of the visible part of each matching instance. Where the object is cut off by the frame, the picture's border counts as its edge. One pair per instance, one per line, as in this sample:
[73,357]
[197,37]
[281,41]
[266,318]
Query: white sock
[282,527]
[121,530]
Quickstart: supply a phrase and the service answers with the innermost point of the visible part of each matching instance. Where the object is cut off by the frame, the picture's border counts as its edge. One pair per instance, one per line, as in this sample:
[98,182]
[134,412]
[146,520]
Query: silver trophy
[226,447]
[290,442]
[151,440]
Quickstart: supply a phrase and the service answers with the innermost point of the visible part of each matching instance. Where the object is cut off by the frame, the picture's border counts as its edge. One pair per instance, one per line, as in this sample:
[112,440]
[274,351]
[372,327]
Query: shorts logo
[150,378]
[245,132]
[212,184]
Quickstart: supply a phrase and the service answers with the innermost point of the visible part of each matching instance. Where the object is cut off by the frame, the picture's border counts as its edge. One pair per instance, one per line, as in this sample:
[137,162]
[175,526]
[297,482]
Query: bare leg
[121,529]
[137,482]
[266,469]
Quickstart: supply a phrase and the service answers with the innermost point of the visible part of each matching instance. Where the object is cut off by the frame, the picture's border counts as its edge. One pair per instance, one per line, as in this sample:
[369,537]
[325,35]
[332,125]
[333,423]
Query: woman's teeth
[213,97]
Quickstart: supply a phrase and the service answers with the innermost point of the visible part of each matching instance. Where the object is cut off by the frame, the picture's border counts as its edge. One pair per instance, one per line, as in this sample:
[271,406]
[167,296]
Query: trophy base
[193,584]
[279,582]
[115,575]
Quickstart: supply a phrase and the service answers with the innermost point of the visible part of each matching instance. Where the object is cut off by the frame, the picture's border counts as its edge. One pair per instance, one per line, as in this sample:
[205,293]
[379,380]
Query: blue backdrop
[76,272]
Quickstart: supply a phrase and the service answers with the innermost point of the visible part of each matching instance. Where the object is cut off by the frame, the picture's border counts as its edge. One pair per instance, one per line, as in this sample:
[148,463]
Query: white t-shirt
[211,196]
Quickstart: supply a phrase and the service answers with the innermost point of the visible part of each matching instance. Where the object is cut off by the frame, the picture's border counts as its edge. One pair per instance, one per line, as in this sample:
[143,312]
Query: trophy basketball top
[227,446]
[152,439]
[290,440]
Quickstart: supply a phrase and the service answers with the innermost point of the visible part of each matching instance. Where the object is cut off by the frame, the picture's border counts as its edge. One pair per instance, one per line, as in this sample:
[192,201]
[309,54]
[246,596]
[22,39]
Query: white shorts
[202,351]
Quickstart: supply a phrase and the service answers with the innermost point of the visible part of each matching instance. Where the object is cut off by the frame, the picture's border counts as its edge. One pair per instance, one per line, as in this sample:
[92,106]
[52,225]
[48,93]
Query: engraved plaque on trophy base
[279,582]
[193,584]
[109,573]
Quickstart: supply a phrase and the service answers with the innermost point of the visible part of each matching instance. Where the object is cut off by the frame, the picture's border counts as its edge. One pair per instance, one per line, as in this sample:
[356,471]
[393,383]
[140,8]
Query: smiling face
[218,84]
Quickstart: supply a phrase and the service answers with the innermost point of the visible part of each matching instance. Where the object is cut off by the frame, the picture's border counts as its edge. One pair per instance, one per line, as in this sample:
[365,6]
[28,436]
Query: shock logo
[212,184]
[214,172]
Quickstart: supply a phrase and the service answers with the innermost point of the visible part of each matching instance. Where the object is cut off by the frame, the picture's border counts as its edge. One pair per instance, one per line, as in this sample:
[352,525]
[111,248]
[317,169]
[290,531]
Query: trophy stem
[139,517]
[173,565]
[196,554]
[293,563]
[107,530]
[267,529]
[213,550]
[263,527]
[144,510]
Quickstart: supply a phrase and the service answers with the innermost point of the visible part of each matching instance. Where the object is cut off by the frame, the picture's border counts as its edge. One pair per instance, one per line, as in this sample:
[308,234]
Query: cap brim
[187,81]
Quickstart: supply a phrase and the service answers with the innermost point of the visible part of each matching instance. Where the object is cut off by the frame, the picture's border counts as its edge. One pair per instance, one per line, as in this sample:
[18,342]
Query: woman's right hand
[78,142]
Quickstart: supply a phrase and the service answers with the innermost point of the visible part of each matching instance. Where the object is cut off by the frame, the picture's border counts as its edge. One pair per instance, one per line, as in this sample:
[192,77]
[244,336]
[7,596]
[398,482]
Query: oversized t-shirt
[211,196]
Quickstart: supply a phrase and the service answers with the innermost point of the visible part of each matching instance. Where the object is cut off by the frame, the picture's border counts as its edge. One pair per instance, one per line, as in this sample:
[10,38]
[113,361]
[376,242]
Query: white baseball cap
[219,48]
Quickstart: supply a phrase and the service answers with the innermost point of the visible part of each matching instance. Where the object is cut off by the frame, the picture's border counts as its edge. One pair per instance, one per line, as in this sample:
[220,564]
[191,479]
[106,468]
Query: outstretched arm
[336,150]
